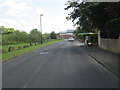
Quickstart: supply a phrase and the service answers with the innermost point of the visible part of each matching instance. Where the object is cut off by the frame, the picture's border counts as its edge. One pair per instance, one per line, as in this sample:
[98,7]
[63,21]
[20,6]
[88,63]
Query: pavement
[61,65]
[107,59]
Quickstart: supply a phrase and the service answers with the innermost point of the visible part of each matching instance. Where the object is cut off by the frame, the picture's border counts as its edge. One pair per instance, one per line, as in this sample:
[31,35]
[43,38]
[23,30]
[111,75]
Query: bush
[18,37]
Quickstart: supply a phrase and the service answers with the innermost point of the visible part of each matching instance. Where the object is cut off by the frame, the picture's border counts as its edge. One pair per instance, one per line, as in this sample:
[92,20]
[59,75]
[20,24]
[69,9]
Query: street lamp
[41,26]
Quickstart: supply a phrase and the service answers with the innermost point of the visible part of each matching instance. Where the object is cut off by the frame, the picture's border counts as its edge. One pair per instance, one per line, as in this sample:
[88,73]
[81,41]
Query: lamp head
[41,14]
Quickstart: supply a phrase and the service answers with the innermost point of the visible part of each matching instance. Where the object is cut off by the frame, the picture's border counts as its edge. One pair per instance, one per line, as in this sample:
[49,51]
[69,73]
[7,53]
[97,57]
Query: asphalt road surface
[60,65]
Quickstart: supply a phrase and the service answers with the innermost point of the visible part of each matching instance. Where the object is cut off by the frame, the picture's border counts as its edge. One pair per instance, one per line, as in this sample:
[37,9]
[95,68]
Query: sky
[24,15]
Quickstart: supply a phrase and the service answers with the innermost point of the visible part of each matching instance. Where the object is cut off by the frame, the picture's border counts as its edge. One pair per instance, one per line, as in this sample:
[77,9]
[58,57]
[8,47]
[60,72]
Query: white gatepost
[99,38]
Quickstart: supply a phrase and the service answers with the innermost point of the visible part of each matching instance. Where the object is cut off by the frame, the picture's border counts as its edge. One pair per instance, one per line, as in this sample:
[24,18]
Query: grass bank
[23,50]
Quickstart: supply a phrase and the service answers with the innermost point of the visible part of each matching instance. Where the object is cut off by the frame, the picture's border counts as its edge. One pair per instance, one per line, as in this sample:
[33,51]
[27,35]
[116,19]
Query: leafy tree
[35,36]
[47,36]
[53,35]
[20,36]
[1,29]
[112,9]
[15,37]
[90,15]
[80,14]
[4,30]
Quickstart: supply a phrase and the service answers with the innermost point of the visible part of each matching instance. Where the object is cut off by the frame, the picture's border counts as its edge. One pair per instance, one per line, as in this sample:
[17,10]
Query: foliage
[35,36]
[47,36]
[4,30]
[81,14]
[90,15]
[20,36]
[113,25]
[11,36]
[112,29]
[112,9]
[14,38]
[1,28]
[53,35]
[93,38]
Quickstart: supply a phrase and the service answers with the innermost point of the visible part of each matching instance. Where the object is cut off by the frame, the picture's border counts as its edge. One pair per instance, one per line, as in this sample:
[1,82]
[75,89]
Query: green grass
[5,47]
[23,50]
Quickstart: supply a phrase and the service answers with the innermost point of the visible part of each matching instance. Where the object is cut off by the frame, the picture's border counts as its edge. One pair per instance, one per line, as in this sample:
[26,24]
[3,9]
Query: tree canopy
[35,35]
[53,35]
[21,37]
[90,15]
[4,30]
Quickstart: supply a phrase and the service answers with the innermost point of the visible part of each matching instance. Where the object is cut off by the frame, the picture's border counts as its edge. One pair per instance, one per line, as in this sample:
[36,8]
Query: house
[70,33]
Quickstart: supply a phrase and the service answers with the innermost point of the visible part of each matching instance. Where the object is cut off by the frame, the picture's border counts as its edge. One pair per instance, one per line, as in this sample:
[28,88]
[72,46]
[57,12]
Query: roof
[70,31]
[86,33]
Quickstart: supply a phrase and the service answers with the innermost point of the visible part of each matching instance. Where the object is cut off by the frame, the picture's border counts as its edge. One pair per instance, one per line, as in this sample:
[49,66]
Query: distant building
[63,33]
[66,34]
[70,32]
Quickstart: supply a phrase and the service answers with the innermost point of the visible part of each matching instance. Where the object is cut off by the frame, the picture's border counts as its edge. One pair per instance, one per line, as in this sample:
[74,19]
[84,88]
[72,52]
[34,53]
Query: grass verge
[17,52]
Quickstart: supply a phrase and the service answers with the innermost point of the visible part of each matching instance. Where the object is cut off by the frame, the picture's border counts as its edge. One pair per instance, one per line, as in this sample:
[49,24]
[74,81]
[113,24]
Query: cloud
[8,21]
[26,25]
[21,25]
[15,13]
[21,16]
[39,11]
[14,5]
[13,8]
[47,1]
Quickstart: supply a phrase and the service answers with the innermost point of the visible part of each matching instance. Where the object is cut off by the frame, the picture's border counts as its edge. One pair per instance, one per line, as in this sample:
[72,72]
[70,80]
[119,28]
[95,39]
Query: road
[60,65]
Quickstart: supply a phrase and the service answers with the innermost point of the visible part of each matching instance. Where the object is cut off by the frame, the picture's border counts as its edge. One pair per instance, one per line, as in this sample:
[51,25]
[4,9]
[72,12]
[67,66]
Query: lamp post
[41,27]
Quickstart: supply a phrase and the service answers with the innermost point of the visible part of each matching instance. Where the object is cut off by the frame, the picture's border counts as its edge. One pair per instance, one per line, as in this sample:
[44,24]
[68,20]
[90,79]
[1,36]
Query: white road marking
[43,52]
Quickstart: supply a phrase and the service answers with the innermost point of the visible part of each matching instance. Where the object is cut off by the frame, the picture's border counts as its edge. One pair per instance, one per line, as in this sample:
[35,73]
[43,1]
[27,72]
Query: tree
[20,36]
[15,37]
[1,29]
[4,30]
[47,36]
[35,36]
[90,15]
[81,14]
[53,35]
[112,9]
